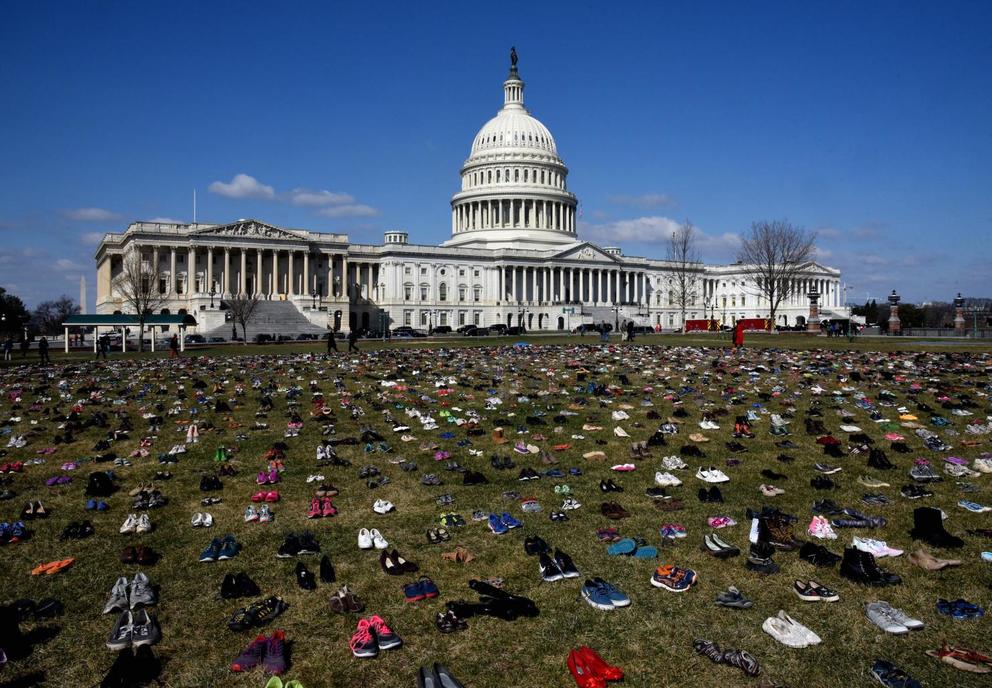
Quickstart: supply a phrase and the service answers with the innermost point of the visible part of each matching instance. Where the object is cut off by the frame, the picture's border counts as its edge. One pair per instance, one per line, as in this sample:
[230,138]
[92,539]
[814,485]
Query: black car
[477,332]
[442,329]
[516,330]
[498,328]
[465,328]
[263,338]
[216,340]
[195,339]
[304,337]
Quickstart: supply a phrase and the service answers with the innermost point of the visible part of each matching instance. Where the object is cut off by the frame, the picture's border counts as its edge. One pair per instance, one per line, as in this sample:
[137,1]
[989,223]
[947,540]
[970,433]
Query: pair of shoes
[613,510]
[741,659]
[135,524]
[261,515]
[673,578]
[52,567]
[134,595]
[811,591]
[437,676]
[501,524]
[459,555]
[421,589]
[448,622]
[269,652]
[558,567]
[394,565]
[345,601]
[201,520]
[602,595]
[237,585]
[959,609]
[890,619]
[818,555]
[733,598]
[963,659]
[371,636]
[294,545]
[861,567]
[321,507]
[890,676]
[134,629]
[789,632]
[639,549]
[435,536]
[257,613]
[382,506]
[220,549]
[367,539]
[609,486]
[590,670]
[928,562]
[712,544]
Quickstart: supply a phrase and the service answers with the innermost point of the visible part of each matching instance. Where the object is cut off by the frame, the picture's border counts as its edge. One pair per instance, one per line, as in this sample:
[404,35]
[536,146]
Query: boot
[928,525]
[780,534]
[498,436]
[870,564]
[861,567]
[878,459]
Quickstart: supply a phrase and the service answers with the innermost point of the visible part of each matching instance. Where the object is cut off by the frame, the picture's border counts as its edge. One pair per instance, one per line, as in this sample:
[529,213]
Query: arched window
[525,176]
[442,292]
[497,176]
[165,311]
[516,175]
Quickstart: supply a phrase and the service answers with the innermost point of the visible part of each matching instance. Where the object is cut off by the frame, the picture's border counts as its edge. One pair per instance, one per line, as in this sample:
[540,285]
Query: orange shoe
[61,565]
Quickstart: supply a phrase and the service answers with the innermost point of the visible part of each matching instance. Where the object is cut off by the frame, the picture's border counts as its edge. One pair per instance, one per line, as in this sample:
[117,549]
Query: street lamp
[213,292]
[975,311]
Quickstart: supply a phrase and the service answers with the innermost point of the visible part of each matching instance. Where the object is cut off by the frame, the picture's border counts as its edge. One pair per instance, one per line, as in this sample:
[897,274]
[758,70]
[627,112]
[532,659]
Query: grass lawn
[651,640]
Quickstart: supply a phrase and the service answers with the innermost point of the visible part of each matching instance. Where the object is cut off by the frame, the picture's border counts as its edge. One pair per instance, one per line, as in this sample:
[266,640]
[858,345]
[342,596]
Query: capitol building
[513,257]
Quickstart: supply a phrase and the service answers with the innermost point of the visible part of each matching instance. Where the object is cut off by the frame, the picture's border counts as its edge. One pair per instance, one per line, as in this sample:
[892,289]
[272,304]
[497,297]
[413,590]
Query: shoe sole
[596,605]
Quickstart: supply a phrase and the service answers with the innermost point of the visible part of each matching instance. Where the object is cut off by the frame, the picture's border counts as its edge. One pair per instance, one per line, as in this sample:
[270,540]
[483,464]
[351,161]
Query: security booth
[125,321]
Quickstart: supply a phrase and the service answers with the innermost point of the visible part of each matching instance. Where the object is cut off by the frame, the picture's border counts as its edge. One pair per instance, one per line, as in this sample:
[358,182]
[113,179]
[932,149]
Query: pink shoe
[314,509]
[328,508]
[273,476]
[262,478]
[272,496]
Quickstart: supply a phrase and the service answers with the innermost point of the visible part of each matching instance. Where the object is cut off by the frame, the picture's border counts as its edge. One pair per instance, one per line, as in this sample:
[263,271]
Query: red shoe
[328,508]
[599,665]
[314,509]
[258,497]
[272,496]
[583,675]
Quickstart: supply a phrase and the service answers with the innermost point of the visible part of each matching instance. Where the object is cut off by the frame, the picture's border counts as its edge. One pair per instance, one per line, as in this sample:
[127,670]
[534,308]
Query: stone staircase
[272,317]
[598,314]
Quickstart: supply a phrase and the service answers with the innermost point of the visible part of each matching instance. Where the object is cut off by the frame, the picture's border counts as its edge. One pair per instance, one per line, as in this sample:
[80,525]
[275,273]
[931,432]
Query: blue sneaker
[575,470]
[497,526]
[973,506]
[4,532]
[101,506]
[17,531]
[509,521]
[229,548]
[646,552]
[596,596]
[554,473]
[617,597]
[90,504]
[625,546]
[211,552]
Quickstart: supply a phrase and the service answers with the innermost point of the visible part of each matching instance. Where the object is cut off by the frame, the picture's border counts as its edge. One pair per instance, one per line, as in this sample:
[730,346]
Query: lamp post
[313,295]
[975,311]
[213,292]
[959,322]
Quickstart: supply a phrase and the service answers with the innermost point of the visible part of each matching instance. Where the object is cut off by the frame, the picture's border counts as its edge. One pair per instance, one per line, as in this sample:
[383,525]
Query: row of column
[267,279]
[828,289]
[593,286]
[511,214]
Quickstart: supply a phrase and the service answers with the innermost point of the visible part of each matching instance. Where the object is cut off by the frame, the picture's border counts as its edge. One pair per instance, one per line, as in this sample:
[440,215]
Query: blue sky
[868,122]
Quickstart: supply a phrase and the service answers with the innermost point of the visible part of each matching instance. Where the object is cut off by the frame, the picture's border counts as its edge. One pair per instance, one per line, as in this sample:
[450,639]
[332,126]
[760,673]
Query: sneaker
[251,656]
[550,571]
[874,483]
[122,633]
[813,592]
[212,551]
[274,661]
[289,548]
[890,676]
[386,639]
[142,594]
[130,524]
[228,549]
[118,600]
[877,547]
[497,526]
[734,599]
[145,630]
[596,596]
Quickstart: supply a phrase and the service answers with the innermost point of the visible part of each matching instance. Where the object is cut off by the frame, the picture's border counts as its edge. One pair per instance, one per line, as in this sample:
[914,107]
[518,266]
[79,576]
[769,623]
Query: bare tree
[774,255]
[138,286]
[48,316]
[684,265]
[242,309]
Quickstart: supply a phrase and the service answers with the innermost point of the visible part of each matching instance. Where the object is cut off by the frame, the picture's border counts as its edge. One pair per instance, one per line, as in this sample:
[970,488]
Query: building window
[407,270]
[461,293]
[407,292]
[461,272]
[423,318]
[423,271]
[477,294]
[442,292]
[742,301]
[475,273]
[423,292]
[408,318]
[476,318]
[442,271]
[461,318]
[443,318]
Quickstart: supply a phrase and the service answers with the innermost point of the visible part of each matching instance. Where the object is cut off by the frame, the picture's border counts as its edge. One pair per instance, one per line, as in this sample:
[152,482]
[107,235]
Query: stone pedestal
[813,322]
[959,321]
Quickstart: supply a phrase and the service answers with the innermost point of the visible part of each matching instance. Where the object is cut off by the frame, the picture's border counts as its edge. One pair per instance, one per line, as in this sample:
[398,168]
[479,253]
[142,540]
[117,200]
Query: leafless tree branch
[684,266]
[138,286]
[774,254]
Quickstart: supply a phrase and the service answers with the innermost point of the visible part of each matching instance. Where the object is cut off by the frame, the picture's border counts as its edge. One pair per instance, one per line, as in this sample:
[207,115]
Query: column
[172,271]
[191,270]
[344,277]
[274,281]
[155,263]
[291,284]
[330,275]
[226,284]
[210,269]
[561,284]
[243,282]
[370,288]
[257,291]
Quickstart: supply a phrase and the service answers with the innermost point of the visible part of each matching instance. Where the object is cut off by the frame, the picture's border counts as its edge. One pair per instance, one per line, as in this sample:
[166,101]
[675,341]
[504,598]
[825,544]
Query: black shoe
[326,570]
[566,564]
[308,544]
[877,459]
[656,493]
[246,587]
[703,494]
[928,525]
[772,475]
[821,482]
[785,458]
[535,545]
[861,567]
[304,577]
[550,571]
[714,495]
[818,555]
[229,587]
[289,548]
[759,558]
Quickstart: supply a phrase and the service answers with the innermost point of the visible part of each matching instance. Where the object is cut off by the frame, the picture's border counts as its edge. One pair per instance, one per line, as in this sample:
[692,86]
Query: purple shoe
[262,478]
[251,656]
[957,461]
[54,480]
[275,653]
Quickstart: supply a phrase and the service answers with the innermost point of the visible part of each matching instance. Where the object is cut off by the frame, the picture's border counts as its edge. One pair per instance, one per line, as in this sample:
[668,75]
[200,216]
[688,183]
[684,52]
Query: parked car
[465,328]
[516,330]
[402,328]
[304,337]
[216,340]
[498,328]
[263,338]
[643,329]
[195,339]
[442,329]
[478,332]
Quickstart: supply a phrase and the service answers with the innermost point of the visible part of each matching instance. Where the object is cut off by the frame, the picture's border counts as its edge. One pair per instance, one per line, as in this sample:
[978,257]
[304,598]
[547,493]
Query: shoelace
[361,638]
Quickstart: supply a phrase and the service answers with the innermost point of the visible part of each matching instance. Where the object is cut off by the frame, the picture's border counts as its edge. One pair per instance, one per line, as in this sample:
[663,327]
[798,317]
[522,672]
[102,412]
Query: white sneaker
[377,539]
[381,506]
[666,480]
[784,632]
[364,539]
[712,475]
[144,524]
[673,463]
[130,524]
[206,520]
[983,465]
[197,520]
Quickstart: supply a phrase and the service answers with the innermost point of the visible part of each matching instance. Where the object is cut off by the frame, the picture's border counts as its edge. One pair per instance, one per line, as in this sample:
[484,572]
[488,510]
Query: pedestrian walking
[102,345]
[174,346]
[332,344]
[43,351]
[630,330]
[352,338]
[25,345]
[8,348]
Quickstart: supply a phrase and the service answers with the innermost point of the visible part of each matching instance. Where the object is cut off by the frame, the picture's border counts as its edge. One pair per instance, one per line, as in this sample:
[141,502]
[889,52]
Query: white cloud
[66,265]
[648,200]
[91,238]
[642,230]
[351,210]
[319,198]
[242,186]
[829,232]
[92,215]
[166,221]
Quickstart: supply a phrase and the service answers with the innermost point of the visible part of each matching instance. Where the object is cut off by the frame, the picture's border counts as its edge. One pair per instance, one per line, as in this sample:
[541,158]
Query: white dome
[512,130]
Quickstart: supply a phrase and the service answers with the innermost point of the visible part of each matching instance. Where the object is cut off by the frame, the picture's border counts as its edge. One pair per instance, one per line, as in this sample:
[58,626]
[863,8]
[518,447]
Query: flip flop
[61,565]
[624,546]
